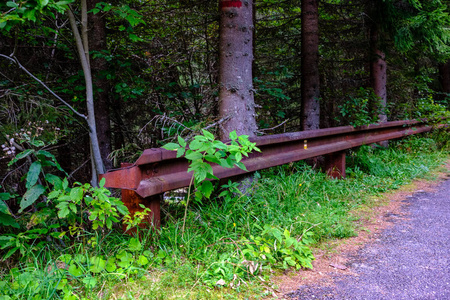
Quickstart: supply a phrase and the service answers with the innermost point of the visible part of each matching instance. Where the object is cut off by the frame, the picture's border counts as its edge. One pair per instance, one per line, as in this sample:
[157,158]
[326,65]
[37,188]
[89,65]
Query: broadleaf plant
[205,150]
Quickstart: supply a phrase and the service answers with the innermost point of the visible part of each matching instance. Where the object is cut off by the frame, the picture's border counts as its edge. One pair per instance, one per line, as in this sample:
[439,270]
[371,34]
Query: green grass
[294,198]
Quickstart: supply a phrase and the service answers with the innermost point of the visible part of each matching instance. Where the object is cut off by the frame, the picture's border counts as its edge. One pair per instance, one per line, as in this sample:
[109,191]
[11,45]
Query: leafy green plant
[276,247]
[204,150]
[362,109]
[75,203]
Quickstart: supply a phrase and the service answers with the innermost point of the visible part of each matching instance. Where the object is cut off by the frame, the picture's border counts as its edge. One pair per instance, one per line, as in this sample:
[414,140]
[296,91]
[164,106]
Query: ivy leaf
[31,196]
[33,174]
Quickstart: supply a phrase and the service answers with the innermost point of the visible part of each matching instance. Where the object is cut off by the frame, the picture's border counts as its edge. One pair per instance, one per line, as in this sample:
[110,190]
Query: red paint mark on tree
[230,3]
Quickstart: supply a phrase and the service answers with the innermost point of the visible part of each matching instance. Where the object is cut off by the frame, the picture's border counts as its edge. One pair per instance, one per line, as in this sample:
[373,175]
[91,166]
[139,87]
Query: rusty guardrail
[158,170]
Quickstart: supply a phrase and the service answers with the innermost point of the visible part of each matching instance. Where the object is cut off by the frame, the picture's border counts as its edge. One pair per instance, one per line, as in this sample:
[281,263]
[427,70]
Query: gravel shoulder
[402,253]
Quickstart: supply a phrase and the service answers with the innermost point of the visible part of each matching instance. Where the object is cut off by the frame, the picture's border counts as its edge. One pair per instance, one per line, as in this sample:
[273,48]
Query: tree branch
[15,60]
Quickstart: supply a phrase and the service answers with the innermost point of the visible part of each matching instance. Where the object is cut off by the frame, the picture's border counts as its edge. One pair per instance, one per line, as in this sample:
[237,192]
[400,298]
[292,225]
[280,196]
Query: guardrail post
[132,201]
[335,164]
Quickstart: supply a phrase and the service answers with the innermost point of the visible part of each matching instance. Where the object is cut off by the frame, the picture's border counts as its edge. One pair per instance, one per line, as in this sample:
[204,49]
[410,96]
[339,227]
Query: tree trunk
[444,75]
[236,98]
[97,42]
[310,82]
[378,74]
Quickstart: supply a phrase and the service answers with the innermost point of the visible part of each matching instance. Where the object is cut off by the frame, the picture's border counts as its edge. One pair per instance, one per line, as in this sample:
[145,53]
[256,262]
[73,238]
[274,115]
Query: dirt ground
[331,257]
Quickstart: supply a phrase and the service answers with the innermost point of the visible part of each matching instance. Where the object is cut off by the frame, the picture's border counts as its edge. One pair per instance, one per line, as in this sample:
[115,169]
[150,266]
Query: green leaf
[90,282]
[238,156]
[180,152]
[142,260]
[181,141]
[75,271]
[64,2]
[76,194]
[134,244]
[8,220]
[111,264]
[54,180]
[5,196]
[192,155]
[233,135]
[208,135]
[33,174]
[4,208]
[21,155]
[12,4]
[55,163]
[206,188]
[98,264]
[10,252]
[43,2]
[241,166]
[63,210]
[37,143]
[102,182]
[171,146]
[31,196]
[195,144]
[30,14]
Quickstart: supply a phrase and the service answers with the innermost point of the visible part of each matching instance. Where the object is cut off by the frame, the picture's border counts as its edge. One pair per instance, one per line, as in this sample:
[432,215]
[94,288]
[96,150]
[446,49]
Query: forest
[86,85]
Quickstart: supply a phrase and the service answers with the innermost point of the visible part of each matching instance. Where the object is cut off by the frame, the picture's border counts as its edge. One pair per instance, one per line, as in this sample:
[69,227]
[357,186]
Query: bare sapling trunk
[310,81]
[236,96]
[81,43]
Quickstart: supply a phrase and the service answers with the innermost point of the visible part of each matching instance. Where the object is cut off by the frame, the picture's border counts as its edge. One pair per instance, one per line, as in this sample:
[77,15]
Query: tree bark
[444,75]
[97,42]
[97,163]
[236,95]
[378,74]
[310,80]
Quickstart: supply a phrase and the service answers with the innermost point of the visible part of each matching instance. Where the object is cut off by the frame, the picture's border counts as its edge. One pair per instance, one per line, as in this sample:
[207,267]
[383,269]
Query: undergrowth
[231,245]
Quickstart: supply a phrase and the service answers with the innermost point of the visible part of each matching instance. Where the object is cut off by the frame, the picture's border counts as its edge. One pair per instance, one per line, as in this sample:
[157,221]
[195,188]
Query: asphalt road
[410,260]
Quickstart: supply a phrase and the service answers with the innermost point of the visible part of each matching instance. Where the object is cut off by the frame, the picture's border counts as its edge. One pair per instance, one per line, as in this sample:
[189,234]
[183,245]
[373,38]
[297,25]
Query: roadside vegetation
[72,247]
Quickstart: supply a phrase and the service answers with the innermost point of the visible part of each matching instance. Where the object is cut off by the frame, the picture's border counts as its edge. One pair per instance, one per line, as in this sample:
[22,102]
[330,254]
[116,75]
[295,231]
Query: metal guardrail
[158,170]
